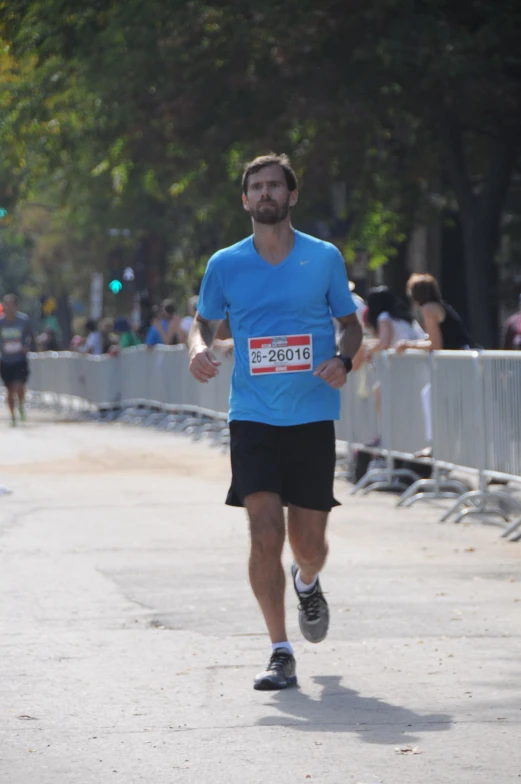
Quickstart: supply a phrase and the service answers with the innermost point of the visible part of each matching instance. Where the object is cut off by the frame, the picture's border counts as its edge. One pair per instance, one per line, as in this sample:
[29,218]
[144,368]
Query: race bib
[281,354]
[12,346]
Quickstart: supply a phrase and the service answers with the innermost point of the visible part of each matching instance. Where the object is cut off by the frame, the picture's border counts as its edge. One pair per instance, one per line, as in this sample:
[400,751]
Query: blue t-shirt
[153,337]
[298,297]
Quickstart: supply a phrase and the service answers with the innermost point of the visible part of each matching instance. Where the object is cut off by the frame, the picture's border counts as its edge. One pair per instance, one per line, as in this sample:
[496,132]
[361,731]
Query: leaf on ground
[24,717]
[407,750]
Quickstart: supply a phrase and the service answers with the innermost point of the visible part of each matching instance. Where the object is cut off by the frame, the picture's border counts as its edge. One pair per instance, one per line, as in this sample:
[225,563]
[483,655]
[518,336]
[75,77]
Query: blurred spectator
[444,327]
[51,340]
[359,302]
[390,321]
[166,328]
[512,335]
[48,340]
[127,336]
[108,338]
[76,343]
[187,321]
[93,342]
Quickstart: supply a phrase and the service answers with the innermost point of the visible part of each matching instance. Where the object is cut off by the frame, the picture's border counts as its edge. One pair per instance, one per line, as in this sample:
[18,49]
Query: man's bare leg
[11,401]
[20,391]
[267,577]
[307,536]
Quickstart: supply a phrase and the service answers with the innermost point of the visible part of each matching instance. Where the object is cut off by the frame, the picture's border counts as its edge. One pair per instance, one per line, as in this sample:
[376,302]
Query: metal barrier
[473,411]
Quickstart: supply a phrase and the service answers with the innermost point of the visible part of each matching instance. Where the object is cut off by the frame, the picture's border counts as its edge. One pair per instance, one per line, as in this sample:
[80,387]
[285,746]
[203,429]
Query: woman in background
[445,331]
[389,319]
[444,327]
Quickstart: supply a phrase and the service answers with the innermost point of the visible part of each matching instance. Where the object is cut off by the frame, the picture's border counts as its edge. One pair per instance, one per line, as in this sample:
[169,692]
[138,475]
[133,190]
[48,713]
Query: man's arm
[333,371]
[350,338]
[203,364]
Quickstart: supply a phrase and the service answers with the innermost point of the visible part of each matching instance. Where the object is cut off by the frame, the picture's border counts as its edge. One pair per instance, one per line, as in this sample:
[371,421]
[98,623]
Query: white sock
[302,587]
[286,645]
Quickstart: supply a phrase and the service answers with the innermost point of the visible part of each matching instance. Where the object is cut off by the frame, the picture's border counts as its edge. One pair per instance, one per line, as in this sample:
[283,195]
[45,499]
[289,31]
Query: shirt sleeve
[338,295]
[212,301]
[153,337]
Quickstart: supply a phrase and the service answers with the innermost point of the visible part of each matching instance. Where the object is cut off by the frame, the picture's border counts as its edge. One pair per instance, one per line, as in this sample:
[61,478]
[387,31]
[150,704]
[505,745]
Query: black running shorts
[14,372]
[296,462]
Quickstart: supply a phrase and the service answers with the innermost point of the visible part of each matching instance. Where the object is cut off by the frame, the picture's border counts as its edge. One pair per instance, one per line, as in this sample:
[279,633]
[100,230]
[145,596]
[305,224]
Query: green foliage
[378,232]
[141,116]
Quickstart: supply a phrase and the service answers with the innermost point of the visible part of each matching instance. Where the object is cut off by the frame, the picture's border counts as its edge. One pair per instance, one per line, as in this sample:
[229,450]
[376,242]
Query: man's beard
[276,214]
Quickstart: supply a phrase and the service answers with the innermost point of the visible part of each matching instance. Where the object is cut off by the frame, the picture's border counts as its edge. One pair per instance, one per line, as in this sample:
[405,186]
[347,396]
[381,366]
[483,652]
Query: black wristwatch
[348,363]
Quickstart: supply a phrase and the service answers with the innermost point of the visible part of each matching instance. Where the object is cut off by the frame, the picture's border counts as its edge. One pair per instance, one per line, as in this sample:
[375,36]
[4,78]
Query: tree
[143,114]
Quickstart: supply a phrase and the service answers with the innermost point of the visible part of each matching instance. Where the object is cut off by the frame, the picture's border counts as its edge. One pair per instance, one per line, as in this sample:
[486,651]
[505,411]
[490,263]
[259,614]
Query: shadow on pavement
[343,710]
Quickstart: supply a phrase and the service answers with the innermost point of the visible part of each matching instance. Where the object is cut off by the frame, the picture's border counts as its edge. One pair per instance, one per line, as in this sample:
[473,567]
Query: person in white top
[188,320]
[390,321]
[93,344]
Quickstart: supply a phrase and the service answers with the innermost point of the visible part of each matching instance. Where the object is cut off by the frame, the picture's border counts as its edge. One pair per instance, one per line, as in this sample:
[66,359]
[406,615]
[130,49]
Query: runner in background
[16,339]
[281,290]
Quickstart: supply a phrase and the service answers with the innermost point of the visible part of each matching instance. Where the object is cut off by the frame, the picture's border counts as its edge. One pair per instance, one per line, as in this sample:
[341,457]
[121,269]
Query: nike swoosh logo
[304,262]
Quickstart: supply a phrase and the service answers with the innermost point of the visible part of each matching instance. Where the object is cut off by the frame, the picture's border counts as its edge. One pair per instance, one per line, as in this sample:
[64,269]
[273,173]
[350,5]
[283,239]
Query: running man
[16,339]
[280,289]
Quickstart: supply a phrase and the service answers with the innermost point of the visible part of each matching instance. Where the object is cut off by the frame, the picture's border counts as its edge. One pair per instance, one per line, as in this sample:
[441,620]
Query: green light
[115,286]
[3,213]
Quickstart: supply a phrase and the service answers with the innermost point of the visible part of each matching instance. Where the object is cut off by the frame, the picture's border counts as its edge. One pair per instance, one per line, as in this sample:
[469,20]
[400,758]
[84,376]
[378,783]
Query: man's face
[9,307]
[268,199]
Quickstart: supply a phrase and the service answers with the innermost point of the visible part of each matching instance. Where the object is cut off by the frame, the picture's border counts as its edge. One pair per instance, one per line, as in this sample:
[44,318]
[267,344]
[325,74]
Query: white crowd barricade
[359,423]
[502,405]
[473,412]
[189,388]
[37,378]
[129,370]
[397,392]
[451,425]
[102,380]
[457,409]
[407,377]
[497,382]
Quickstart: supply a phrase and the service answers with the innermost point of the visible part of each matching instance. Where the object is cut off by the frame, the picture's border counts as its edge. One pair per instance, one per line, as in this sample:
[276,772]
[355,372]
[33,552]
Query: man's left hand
[333,372]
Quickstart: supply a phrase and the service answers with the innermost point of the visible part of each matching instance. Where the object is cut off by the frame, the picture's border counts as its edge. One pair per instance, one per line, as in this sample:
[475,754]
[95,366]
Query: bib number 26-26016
[281,354]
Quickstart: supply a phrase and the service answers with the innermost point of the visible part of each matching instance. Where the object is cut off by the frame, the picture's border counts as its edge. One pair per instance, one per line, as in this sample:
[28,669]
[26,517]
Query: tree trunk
[64,316]
[480,215]
[481,291]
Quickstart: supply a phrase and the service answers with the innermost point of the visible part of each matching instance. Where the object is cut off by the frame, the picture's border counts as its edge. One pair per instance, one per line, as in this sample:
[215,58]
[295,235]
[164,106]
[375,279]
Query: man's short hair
[10,298]
[271,159]
[423,288]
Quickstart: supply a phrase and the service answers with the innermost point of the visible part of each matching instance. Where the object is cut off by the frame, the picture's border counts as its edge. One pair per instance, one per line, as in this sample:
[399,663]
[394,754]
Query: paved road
[129,637]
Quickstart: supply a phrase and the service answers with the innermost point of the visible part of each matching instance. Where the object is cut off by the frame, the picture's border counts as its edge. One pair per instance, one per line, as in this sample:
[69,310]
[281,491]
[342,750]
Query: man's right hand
[203,365]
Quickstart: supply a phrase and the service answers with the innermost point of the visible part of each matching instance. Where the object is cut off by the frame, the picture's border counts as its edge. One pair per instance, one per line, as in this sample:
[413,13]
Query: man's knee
[309,550]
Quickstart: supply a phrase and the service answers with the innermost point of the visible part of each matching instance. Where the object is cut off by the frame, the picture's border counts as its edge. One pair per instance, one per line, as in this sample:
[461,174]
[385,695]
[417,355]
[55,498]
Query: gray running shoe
[279,674]
[313,616]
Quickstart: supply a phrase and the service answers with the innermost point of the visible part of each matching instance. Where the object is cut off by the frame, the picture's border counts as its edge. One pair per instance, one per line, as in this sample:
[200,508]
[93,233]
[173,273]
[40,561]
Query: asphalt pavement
[130,637]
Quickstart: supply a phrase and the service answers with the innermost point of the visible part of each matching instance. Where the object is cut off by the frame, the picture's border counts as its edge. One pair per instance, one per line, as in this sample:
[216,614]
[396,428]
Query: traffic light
[115,286]
[116,269]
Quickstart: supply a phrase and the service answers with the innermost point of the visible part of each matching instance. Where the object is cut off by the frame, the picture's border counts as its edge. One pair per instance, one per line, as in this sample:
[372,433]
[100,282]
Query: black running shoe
[313,615]
[279,674]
